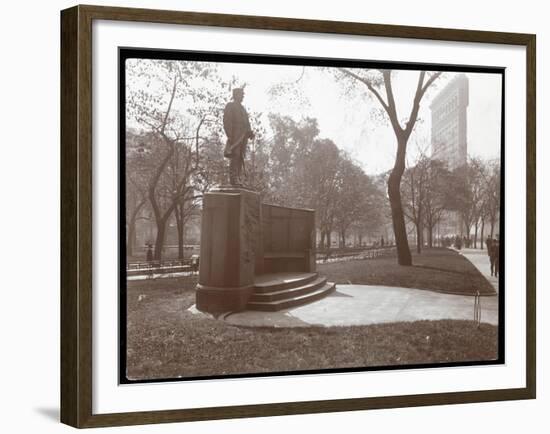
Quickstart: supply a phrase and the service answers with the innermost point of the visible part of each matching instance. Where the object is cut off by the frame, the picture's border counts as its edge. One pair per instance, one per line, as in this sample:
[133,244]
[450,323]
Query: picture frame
[78,207]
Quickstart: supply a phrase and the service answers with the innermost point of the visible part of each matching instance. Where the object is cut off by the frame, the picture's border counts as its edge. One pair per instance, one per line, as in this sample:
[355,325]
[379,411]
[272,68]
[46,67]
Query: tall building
[449,123]
[449,139]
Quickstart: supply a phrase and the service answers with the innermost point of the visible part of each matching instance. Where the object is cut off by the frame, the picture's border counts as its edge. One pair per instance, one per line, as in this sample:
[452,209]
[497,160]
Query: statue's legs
[234,170]
[236,167]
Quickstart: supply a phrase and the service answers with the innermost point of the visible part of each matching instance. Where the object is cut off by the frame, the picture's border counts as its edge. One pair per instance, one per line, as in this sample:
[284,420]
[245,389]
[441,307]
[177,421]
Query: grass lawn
[436,269]
[166,341]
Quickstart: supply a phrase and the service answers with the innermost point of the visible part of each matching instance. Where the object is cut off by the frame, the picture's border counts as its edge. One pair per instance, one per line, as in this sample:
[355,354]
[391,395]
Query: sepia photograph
[302,215]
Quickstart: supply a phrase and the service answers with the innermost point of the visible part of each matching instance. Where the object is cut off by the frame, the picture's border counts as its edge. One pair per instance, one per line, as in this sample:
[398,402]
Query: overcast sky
[347,120]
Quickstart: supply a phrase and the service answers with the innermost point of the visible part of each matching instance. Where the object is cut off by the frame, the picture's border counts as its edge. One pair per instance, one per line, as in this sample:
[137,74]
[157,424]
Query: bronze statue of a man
[237,128]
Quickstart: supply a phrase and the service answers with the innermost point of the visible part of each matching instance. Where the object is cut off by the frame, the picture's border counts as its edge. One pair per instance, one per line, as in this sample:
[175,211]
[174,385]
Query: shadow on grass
[446,270]
[435,269]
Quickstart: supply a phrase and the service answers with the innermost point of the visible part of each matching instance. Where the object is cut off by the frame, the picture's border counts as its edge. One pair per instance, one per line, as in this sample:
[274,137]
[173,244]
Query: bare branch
[392,110]
[431,79]
[173,94]
[369,86]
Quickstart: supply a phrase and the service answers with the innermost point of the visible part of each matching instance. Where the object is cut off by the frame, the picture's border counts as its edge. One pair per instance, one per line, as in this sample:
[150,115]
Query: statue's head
[238,94]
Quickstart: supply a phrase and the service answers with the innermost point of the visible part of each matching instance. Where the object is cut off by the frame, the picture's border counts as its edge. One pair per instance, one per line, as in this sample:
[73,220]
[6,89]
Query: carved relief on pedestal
[250,228]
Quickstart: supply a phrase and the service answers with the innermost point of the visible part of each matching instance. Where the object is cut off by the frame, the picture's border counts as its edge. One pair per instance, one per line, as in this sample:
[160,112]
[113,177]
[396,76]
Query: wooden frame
[76,215]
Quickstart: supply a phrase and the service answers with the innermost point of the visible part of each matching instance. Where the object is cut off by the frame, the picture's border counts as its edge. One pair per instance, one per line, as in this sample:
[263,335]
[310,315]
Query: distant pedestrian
[149,255]
[149,259]
[494,256]
[488,243]
[195,263]
[458,242]
[382,241]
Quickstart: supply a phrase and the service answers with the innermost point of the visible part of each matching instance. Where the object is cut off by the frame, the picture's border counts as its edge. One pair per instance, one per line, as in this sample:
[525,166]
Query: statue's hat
[238,91]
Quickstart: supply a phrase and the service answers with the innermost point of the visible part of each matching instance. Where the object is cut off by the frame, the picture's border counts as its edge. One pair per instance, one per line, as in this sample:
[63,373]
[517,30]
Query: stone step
[287,293]
[279,281]
[273,306]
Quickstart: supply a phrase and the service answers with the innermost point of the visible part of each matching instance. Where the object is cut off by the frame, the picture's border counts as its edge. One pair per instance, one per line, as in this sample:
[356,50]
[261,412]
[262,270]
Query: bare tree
[136,199]
[469,180]
[357,199]
[490,207]
[492,194]
[136,185]
[321,185]
[438,197]
[170,100]
[414,190]
[378,82]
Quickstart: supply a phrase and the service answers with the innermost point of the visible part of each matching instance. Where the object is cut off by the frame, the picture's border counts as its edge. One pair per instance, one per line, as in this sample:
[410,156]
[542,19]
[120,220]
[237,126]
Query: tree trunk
[475,235]
[398,218]
[430,236]
[482,229]
[131,238]
[179,214]
[181,233]
[419,240]
[468,229]
[159,242]
[161,218]
[131,242]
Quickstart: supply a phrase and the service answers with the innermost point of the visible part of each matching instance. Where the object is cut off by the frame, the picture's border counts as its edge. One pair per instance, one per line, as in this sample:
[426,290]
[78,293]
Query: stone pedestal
[231,249]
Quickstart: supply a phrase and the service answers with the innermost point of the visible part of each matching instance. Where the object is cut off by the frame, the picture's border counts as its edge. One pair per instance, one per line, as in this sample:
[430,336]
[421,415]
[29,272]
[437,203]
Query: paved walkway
[365,304]
[480,260]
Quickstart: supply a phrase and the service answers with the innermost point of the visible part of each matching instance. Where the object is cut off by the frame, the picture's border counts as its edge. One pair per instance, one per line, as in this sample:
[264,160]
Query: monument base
[219,300]
[230,249]
[256,256]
